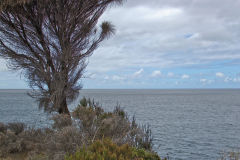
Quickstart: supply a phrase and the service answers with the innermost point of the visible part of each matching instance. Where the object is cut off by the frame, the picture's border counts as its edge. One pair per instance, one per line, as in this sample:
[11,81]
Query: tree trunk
[63,108]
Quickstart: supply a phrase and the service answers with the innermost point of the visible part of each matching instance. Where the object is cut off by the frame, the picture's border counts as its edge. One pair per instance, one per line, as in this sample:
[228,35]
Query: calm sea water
[186,124]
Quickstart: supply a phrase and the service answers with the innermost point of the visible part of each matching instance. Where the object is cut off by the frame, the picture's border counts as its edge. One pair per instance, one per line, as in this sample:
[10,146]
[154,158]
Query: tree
[49,41]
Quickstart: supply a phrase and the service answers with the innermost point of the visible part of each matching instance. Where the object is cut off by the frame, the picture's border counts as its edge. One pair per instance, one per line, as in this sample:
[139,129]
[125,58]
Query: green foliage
[38,157]
[107,150]
[83,102]
[119,111]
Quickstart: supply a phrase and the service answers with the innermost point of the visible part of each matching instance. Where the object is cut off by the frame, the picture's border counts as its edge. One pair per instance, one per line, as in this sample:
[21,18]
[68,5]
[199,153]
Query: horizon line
[129,88]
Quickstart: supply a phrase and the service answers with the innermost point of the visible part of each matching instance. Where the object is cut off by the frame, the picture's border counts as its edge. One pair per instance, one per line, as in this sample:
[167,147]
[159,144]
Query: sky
[161,44]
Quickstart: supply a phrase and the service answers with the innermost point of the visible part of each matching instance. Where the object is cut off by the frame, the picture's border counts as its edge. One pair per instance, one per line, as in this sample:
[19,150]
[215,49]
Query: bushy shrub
[61,121]
[28,141]
[3,128]
[9,143]
[119,111]
[35,139]
[96,124]
[16,127]
[107,150]
[233,155]
[63,141]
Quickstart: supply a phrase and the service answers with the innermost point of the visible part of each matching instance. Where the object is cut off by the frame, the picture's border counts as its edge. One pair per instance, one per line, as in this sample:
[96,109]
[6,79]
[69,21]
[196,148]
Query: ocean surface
[186,124]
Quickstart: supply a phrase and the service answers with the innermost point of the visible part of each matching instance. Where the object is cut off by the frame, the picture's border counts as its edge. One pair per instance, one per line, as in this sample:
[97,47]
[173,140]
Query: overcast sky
[163,44]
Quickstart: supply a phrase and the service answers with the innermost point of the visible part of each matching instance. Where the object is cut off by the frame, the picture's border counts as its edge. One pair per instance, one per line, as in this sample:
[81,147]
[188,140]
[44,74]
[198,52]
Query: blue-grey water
[186,124]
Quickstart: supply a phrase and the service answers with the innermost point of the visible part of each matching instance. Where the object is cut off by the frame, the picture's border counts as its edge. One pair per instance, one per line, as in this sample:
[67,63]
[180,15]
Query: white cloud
[185,76]
[203,80]
[206,81]
[150,14]
[170,74]
[106,78]
[138,73]
[92,75]
[156,74]
[236,80]
[117,78]
[195,36]
[227,79]
[219,74]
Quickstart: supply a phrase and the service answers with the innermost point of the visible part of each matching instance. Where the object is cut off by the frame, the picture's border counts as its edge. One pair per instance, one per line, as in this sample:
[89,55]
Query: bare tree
[49,41]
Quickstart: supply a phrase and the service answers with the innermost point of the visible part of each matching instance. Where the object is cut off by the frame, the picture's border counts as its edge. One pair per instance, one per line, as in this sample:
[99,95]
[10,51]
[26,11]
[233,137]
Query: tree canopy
[49,41]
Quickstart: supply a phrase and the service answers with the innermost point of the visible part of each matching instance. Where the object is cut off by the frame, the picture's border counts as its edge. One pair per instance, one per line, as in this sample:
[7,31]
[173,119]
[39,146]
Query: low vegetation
[107,150]
[88,133]
[233,155]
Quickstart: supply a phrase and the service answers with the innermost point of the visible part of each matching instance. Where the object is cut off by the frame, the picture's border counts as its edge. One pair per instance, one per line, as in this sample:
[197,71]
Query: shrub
[83,102]
[234,155]
[119,111]
[107,150]
[61,121]
[9,143]
[96,124]
[3,128]
[16,127]
[35,139]
[29,140]
[63,141]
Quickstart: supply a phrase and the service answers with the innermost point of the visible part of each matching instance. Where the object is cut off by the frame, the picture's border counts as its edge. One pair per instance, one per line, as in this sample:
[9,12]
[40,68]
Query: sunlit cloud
[185,76]
[219,74]
[206,81]
[138,73]
[118,78]
[156,73]
[170,74]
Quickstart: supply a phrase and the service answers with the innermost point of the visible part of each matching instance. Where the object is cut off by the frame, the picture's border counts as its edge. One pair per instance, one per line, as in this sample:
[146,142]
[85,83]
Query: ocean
[186,124]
